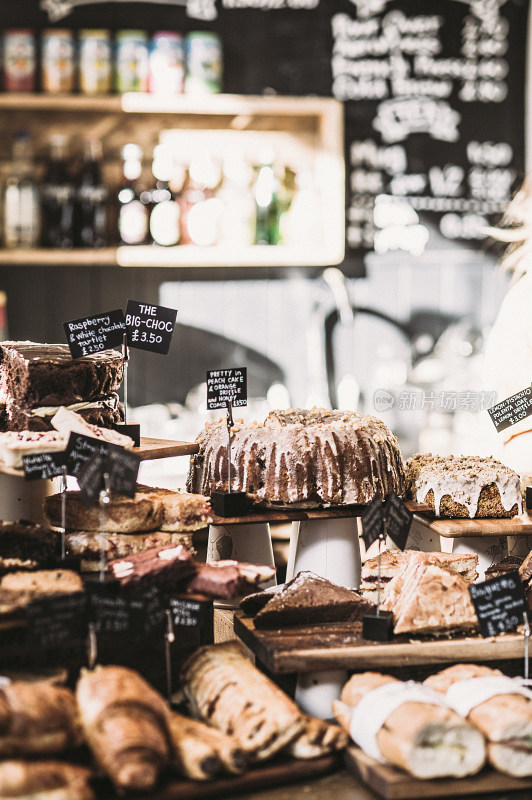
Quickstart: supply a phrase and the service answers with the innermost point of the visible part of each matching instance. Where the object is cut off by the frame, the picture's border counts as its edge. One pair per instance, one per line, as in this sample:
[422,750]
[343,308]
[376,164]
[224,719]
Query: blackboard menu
[433,92]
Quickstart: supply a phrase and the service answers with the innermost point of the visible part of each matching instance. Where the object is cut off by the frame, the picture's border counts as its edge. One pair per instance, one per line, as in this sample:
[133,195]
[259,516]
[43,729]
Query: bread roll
[125,725]
[318,738]
[44,780]
[37,718]
[200,751]
[426,740]
[226,690]
[504,719]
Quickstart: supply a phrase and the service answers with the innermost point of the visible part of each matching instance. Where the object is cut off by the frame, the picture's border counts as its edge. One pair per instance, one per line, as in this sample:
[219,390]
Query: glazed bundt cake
[298,456]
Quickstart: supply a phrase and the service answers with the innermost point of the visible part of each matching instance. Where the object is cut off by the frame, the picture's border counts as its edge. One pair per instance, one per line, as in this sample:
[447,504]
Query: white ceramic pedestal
[331,549]
[328,547]
[246,542]
[22,499]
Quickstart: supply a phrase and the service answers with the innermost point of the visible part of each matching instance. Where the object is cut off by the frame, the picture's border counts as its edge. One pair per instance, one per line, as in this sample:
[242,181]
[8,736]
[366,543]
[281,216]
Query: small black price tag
[90,478]
[80,448]
[134,613]
[373,522]
[398,519]
[512,410]
[43,465]
[499,603]
[56,621]
[186,613]
[150,327]
[92,334]
[227,385]
[123,468]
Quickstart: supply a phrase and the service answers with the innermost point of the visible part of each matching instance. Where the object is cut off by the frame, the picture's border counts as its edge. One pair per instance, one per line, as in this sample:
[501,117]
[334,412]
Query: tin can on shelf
[18,60]
[94,61]
[204,63]
[167,63]
[131,61]
[57,60]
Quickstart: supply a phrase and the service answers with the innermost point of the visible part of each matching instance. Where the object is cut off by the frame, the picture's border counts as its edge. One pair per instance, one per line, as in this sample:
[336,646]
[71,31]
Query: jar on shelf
[94,61]
[167,63]
[57,60]
[204,63]
[131,61]
[19,60]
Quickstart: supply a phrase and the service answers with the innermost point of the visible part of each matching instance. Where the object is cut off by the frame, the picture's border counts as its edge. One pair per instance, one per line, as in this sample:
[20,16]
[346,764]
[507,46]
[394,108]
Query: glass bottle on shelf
[90,220]
[165,211]
[20,206]
[58,197]
[133,204]
[267,210]
[201,209]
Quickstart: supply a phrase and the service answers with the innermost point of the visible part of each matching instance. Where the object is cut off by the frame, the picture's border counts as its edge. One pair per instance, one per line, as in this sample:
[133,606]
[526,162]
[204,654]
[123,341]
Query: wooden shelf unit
[305,132]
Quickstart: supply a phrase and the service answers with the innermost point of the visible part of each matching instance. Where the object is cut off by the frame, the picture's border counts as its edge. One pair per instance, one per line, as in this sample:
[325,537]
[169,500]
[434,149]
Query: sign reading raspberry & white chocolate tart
[43,466]
[499,603]
[512,410]
[149,327]
[92,334]
[227,387]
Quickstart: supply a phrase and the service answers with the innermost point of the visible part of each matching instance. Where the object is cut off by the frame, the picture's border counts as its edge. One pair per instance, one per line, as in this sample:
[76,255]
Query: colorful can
[204,63]
[94,61]
[57,60]
[131,61]
[19,60]
[167,63]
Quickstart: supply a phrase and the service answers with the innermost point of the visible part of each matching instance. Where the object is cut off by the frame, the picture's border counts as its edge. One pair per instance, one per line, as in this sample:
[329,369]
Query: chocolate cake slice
[309,599]
[34,374]
[27,546]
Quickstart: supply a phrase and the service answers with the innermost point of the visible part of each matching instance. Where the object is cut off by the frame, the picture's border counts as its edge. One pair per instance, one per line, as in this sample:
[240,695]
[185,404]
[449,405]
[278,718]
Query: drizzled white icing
[299,456]
[462,478]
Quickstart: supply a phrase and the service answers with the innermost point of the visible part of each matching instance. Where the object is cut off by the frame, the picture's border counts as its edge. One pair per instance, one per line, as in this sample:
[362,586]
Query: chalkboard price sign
[226,386]
[135,613]
[80,448]
[150,327]
[398,519]
[93,334]
[499,603]
[90,478]
[123,469]
[373,522]
[512,410]
[43,466]
[56,621]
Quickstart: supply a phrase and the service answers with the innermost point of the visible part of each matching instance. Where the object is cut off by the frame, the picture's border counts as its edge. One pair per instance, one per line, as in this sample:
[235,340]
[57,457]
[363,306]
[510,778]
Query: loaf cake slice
[309,599]
[464,486]
[123,514]
[34,374]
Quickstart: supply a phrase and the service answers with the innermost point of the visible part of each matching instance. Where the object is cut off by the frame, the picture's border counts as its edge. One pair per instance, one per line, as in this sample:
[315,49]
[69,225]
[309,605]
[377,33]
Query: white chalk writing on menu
[398,61]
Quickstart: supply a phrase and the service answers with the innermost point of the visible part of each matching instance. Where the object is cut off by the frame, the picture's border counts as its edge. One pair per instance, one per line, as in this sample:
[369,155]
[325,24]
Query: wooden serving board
[339,645]
[287,514]
[458,528]
[149,449]
[271,774]
[394,784]
[163,448]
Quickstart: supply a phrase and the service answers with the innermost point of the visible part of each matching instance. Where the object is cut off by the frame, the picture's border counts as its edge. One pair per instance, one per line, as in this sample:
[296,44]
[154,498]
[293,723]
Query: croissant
[201,751]
[124,722]
[226,690]
[37,717]
[44,780]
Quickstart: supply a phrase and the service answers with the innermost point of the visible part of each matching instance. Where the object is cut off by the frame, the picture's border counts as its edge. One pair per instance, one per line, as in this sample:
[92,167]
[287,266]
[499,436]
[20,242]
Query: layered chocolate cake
[35,379]
[464,486]
[298,456]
